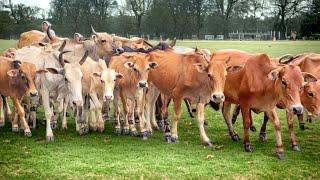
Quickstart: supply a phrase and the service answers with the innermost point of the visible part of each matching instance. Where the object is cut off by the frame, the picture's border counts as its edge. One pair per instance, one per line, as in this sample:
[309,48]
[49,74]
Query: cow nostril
[32,94]
[297,110]
[214,96]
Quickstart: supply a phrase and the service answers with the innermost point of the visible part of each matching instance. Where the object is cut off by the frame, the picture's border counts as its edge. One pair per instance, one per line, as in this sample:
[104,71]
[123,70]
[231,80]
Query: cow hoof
[248,148]
[54,124]
[174,139]
[101,129]
[253,129]
[118,131]
[93,128]
[280,155]
[2,124]
[295,148]
[49,138]
[64,128]
[125,131]
[235,138]
[15,129]
[160,125]
[263,136]
[302,127]
[28,134]
[149,133]
[167,138]
[134,133]
[144,135]
[208,143]
[83,130]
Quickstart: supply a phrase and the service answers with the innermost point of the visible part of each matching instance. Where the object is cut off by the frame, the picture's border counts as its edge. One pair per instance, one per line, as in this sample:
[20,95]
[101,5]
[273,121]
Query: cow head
[108,79]
[310,97]
[216,72]
[72,77]
[289,82]
[140,65]
[23,75]
[105,44]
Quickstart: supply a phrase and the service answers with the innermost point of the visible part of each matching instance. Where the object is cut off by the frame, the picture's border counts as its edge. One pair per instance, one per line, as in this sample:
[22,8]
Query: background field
[101,156]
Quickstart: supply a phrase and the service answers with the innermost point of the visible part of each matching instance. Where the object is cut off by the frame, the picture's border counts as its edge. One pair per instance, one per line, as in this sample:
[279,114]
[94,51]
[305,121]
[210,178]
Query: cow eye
[135,69]
[284,82]
[66,79]
[148,69]
[102,81]
[310,94]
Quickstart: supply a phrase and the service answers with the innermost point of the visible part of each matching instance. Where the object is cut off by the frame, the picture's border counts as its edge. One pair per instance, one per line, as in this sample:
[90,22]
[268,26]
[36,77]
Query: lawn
[109,156]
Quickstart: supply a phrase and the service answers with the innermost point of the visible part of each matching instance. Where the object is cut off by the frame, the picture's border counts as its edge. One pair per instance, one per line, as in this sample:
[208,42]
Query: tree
[310,25]
[284,10]
[139,9]
[199,8]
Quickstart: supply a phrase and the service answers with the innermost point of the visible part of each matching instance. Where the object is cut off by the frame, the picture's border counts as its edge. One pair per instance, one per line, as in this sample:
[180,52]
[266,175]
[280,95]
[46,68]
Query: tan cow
[186,77]
[17,81]
[135,67]
[98,85]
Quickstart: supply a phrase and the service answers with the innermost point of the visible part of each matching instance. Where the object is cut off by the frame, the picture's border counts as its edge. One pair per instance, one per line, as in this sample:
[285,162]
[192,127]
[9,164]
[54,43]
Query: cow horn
[93,31]
[63,45]
[83,59]
[61,60]
[48,33]
[173,42]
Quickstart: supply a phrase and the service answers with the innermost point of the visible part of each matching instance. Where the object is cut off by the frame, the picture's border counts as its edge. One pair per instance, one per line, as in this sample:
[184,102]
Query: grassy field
[109,156]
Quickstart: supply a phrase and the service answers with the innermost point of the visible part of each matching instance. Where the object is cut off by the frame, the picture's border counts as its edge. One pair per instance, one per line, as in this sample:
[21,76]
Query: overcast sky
[44,4]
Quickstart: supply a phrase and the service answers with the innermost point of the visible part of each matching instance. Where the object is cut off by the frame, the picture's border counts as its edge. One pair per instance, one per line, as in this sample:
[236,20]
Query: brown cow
[189,76]
[17,81]
[259,86]
[135,67]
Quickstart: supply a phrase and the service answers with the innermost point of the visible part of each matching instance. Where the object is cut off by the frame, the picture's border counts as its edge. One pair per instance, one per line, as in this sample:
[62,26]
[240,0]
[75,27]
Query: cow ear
[56,71]
[274,74]
[128,65]
[119,76]
[308,77]
[96,74]
[232,69]
[13,72]
[200,68]
[153,65]
[39,71]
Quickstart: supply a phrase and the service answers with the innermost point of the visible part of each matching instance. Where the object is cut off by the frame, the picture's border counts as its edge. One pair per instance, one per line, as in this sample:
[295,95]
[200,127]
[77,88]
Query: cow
[131,89]
[186,76]
[98,85]
[259,86]
[237,57]
[64,80]
[17,80]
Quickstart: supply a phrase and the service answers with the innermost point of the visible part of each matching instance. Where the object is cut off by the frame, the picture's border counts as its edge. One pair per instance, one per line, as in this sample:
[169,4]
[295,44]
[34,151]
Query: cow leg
[176,118]
[200,113]
[235,113]
[126,107]
[106,109]
[21,113]
[276,123]
[246,125]
[117,112]
[301,122]
[93,119]
[262,134]
[226,111]
[34,101]
[2,117]
[295,146]
[150,107]
[130,118]
[48,114]
[64,113]
[189,107]
[98,111]
[140,112]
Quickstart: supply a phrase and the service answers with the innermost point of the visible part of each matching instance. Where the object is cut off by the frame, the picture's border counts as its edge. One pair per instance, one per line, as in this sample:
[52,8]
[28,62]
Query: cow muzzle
[142,84]
[218,97]
[118,50]
[77,103]
[108,98]
[297,109]
[33,93]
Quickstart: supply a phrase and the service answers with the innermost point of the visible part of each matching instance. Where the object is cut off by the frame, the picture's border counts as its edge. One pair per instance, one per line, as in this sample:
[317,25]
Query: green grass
[109,156]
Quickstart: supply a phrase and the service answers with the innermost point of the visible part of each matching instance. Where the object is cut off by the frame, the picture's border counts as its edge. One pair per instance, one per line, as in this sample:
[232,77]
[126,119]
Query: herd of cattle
[104,68]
